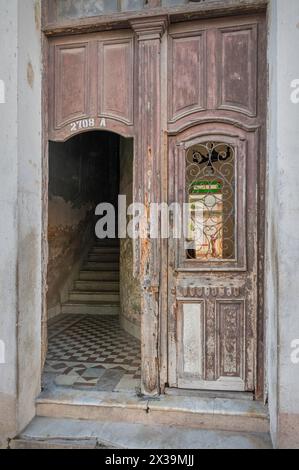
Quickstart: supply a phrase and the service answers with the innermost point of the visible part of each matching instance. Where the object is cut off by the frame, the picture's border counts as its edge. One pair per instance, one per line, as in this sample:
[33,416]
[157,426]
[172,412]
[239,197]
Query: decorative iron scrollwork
[210,180]
[212,157]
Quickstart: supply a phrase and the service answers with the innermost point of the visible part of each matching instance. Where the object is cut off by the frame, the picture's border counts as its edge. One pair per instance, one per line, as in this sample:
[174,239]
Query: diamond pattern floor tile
[92,351]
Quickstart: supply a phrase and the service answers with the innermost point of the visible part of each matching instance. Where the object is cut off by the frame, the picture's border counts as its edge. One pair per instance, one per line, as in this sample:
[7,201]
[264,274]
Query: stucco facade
[21,220]
[22,188]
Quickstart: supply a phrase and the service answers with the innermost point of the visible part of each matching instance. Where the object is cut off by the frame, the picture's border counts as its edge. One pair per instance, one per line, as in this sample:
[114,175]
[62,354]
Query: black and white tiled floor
[92,353]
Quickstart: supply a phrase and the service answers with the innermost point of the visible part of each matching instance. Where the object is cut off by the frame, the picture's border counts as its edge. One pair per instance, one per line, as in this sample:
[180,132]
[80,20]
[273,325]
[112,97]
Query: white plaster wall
[20,212]
[8,214]
[283,223]
[29,207]
[271,279]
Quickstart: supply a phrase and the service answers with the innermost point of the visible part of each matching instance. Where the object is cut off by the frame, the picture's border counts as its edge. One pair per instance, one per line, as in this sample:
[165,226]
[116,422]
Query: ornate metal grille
[210,184]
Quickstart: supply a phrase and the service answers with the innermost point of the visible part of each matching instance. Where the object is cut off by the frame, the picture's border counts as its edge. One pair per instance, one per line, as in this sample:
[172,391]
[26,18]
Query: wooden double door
[202,85]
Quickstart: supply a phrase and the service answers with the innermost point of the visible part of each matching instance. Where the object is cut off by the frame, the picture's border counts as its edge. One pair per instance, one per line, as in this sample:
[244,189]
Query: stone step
[104,257]
[194,412]
[107,243]
[90,275]
[97,266]
[85,308]
[97,286]
[104,250]
[106,297]
[59,433]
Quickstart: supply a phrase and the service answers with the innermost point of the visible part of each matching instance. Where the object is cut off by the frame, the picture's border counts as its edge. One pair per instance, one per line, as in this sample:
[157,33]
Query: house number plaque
[83,124]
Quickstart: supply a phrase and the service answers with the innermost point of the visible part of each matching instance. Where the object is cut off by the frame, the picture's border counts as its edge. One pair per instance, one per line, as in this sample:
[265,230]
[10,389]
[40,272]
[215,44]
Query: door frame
[224,8]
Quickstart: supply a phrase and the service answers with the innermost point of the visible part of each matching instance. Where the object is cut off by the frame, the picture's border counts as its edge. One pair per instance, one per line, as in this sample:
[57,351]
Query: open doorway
[93,299]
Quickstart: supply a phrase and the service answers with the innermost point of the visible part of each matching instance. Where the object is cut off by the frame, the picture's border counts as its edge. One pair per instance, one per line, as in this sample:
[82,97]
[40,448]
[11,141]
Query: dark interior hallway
[93,299]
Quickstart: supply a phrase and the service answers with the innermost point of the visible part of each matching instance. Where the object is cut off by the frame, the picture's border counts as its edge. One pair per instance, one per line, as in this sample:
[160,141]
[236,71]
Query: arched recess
[84,170]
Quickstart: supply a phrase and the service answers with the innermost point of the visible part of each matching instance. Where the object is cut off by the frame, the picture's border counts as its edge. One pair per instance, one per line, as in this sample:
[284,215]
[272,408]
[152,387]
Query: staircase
[97,289]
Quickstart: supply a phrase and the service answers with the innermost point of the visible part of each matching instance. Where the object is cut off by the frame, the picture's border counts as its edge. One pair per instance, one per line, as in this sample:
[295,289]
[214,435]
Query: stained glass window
[210,179]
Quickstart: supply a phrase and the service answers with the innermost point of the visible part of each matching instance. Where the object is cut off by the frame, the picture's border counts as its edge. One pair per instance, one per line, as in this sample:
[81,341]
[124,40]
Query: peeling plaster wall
[282,279]
[130,297]
[70,233]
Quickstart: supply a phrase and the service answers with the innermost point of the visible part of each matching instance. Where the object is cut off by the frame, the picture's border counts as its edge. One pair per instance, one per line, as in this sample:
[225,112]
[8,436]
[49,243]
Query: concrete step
[194,412]
[59,433]
[53,444]
[103,297]
[85,308]
[97,266]
[104,257]
[97,286]
[90,275]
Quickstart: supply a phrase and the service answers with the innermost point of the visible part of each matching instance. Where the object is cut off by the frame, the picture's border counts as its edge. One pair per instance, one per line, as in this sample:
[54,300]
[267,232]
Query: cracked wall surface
[130,295]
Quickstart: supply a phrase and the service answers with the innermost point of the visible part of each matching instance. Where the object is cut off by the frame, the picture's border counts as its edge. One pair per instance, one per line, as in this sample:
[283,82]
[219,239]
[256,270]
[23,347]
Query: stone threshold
[223,414]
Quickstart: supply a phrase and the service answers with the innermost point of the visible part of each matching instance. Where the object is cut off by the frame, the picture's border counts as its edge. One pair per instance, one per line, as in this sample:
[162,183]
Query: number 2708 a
[83,124]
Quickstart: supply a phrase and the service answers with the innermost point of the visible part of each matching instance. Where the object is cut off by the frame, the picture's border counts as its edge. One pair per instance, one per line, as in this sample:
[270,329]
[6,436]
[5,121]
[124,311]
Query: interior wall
[82,173]
[130,295]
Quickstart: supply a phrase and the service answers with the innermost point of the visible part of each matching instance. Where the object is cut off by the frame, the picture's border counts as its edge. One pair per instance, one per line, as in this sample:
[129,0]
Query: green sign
[206,187]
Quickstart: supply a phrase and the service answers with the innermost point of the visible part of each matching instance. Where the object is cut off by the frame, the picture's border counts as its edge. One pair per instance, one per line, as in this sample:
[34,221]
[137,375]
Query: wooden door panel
[91,84]
[71,83]
[212,67]
[213,308]
[191,339]
[222,292]
[115,81]
[230,323]
[237,69]
[187,72]
[211,331]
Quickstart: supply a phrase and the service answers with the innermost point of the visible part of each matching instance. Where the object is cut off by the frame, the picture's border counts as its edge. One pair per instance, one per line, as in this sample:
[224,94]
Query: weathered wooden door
[216,121]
